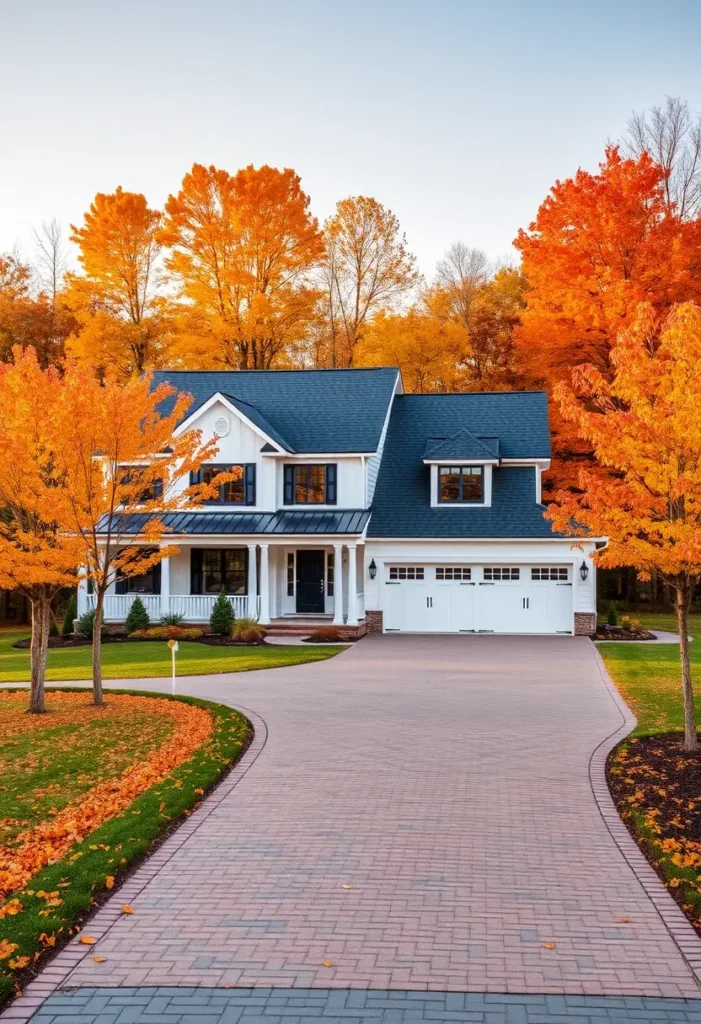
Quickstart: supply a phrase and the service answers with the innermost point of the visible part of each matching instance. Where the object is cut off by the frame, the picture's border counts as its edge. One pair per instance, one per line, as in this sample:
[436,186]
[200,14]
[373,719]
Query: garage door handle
[486,584]
[467,585]
[564,584]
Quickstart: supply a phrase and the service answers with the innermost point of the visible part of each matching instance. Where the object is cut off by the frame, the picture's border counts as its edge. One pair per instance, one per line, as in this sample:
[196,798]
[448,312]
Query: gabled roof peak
[462,445]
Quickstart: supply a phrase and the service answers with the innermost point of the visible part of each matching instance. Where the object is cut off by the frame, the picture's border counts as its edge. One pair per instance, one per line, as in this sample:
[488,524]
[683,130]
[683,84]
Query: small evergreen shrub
[70,615]
[611,614]
[86,624]
[248,631]
[137,617]
[53,628]
[172,619]
[221,620]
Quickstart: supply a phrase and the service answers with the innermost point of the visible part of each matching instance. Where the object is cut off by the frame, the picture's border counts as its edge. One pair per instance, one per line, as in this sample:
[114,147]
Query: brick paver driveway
[420,818]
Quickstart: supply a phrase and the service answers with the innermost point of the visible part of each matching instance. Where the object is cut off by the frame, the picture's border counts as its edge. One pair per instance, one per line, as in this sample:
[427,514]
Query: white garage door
[478,599]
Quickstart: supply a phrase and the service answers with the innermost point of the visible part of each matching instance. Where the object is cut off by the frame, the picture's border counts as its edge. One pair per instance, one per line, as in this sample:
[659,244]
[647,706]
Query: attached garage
[434,598]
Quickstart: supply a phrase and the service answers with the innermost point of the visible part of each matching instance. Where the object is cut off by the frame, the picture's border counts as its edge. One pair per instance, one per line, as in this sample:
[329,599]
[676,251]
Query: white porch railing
[193,607]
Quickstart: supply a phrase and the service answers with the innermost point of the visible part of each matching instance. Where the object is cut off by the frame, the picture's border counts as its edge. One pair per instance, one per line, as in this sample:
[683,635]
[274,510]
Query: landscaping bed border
[682,932]
[55,970]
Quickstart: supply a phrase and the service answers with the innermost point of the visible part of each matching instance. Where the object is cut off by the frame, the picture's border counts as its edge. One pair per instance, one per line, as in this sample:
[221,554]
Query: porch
[278,584]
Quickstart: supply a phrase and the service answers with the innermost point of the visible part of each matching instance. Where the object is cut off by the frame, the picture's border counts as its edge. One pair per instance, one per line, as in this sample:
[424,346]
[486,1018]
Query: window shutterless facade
[241,490]
[461,484]
[212,569]
[310,485]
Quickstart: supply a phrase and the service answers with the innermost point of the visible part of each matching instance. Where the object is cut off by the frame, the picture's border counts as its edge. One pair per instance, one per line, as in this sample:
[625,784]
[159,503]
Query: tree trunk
[40,645]
[97,651]
[683,592]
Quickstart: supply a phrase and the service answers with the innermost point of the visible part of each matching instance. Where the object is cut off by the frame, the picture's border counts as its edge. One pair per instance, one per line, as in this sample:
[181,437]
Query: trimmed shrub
[167,633]
[327,635]
[137,617]
[172,619]
[248,631]
[86,624]
[70,615]
[53,628]
[221,620]
[611,614]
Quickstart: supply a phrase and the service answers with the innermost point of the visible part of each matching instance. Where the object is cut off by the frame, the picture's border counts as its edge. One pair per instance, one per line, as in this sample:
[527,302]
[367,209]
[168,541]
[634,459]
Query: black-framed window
[214,568]
[461,484]
[310,485]
[148,582]
[130,475]
[239,491]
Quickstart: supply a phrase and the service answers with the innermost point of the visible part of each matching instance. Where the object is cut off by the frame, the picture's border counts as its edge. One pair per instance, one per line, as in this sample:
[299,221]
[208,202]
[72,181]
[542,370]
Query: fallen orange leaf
[99,959]
[87,940]
[328,963]
[126,909]
[109,881]
[548,945]
[18,963]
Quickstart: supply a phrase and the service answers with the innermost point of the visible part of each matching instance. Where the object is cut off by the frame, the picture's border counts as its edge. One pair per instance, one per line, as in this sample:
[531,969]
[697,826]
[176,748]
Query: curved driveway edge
[683,933]
[57,971]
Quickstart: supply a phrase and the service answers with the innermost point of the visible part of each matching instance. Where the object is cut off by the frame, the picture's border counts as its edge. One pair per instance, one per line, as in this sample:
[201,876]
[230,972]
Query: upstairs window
[129,476]
[310,485]
[461,485]
[241,490]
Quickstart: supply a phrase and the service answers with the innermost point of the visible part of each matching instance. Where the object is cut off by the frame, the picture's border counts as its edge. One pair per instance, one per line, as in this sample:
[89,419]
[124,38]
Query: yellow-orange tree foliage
[120,456]
[242,248]
[36,556]
[117,300]
[427,350]
[600,244]
[644,427]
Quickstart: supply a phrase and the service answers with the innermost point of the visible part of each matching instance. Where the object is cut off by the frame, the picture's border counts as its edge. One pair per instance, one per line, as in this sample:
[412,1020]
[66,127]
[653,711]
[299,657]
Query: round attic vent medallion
[222,426]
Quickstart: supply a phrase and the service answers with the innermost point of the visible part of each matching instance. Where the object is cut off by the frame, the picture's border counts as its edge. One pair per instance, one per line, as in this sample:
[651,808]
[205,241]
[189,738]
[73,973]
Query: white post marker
[173,644]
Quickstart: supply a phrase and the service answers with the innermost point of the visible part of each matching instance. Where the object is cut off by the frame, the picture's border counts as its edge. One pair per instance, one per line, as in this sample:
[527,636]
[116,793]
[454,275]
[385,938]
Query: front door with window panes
[310,581]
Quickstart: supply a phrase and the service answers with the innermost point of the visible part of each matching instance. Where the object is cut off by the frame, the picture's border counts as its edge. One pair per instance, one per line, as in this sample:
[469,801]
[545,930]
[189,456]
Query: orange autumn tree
[242,248]
[117,300]
[600,244]
[644,427]
[36,556]
[119,456]
[427,350]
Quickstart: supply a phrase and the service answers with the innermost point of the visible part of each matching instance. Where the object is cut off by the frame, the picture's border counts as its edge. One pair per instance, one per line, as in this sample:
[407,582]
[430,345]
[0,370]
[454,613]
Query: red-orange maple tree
[644,493]
[600,245]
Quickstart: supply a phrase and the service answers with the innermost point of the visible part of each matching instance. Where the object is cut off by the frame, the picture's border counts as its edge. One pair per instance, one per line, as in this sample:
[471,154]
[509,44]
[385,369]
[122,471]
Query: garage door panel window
[406,572]
[454,572]
[550,573]
[461,484]
[501,573]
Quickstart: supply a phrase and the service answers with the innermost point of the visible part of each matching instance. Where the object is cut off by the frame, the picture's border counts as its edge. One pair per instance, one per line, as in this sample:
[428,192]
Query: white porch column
[264,586]
[338,584]
[165,585]
[352,585]
[82,601]
[252,585]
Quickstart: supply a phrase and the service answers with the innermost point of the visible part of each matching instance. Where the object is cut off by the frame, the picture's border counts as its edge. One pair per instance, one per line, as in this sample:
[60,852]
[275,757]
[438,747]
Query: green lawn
[649,678]
[660,620]
[142,659]
[50,764]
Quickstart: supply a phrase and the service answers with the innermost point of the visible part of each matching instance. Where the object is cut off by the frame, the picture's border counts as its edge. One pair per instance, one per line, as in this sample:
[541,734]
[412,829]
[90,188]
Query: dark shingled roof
[462,445]
[346,521]
[308,410]
[402,502]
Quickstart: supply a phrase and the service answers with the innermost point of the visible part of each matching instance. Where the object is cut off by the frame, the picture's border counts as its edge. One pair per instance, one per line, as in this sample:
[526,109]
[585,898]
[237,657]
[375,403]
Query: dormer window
[461,484]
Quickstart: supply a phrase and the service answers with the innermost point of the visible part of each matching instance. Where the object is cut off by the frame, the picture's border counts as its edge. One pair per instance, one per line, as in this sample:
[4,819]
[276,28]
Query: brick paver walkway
[446,780]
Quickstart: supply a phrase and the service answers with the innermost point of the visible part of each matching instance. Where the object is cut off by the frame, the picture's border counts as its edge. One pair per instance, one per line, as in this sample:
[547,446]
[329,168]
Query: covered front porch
[276,582]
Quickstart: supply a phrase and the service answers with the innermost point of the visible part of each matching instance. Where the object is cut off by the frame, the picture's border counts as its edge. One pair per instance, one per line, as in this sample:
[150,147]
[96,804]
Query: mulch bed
[213,640]
[618,633]
[120,638]
[656,787]
[72,641]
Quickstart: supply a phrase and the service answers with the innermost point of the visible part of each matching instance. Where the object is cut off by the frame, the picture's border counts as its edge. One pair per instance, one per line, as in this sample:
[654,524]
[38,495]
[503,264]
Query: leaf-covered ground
[84,793]
[141,660]
[656,787]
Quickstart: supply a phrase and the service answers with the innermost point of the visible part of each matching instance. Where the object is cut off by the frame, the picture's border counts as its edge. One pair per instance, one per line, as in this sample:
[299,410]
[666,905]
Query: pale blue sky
[457,115]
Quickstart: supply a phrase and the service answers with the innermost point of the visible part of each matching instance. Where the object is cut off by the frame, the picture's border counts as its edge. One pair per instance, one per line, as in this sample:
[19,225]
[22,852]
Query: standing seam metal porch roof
[284,522]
